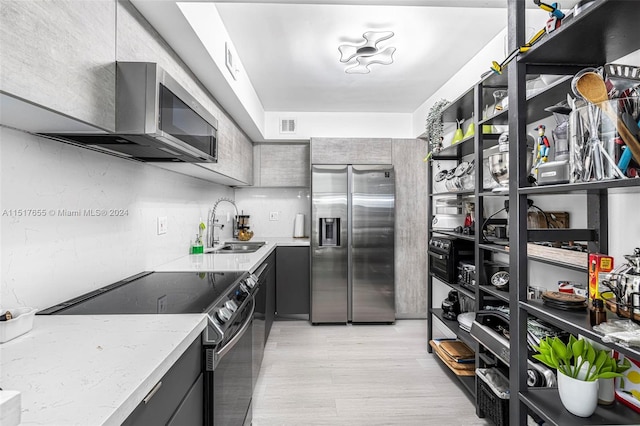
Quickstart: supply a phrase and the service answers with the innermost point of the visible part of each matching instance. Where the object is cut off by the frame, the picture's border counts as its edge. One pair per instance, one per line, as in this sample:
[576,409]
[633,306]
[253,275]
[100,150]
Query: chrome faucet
[213,223]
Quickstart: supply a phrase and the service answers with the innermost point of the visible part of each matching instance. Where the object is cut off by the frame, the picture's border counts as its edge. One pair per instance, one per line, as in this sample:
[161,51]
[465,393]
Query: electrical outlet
[162,225]
[274,216]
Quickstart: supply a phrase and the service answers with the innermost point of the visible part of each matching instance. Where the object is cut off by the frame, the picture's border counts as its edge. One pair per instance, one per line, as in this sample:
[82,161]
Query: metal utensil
[622,78]
[591,87]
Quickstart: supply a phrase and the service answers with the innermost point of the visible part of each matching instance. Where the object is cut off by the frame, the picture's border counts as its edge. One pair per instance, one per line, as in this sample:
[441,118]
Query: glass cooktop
[154,293]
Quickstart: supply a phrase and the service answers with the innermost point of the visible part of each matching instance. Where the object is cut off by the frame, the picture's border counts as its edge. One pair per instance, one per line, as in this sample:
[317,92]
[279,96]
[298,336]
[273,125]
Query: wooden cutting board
[457,350]
[458,368]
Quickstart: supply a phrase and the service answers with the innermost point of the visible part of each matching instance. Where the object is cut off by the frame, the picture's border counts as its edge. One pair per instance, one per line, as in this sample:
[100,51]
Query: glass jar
[597,150]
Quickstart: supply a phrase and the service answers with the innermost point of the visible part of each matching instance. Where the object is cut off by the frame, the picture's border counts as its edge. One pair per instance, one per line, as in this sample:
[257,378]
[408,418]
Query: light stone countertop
[214,261]
[92,369]
[96,369]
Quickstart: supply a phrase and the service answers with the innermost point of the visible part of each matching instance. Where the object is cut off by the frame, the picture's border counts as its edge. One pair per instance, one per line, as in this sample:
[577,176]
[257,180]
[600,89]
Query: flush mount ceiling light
[360,57]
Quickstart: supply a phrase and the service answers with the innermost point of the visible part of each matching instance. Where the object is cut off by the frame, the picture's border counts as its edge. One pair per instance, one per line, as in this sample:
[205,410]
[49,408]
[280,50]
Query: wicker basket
[492,403]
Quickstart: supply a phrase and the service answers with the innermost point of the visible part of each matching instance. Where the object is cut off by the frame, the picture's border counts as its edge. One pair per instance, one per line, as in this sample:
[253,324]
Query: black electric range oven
[228,300]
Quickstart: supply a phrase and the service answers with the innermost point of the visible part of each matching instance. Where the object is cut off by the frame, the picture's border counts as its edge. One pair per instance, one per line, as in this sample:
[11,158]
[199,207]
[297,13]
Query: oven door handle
[245,326]
[437,255]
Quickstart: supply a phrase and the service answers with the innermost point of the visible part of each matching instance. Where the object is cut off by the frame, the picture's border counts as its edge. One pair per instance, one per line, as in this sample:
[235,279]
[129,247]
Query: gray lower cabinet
[271,293]
[292,278]
[190,411]
[177,398]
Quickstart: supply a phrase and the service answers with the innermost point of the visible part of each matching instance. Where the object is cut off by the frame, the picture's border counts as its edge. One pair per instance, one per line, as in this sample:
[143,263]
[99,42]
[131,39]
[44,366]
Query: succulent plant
[579,359]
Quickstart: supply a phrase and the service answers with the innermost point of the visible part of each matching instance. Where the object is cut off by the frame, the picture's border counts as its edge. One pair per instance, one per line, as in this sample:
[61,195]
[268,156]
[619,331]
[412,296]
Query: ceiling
[289,48]
[290,52]
[289,57]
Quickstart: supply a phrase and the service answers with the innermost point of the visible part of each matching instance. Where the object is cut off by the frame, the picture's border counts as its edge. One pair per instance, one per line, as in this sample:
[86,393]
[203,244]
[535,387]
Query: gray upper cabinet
[139,41]
[351,151]
[60,55]
[281,164]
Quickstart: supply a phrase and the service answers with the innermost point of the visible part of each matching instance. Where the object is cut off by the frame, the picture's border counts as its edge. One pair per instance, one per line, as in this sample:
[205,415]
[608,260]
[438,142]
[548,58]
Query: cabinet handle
[152,392]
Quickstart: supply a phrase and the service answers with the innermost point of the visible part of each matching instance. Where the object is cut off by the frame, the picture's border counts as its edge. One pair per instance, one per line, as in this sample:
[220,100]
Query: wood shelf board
[572,260]
[607,31]
[559,257]
[546,403]
[575,322]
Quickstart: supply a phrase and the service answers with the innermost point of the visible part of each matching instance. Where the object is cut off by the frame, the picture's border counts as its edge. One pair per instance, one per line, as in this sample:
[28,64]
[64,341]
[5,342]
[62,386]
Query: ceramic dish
[627,387]
[21,323]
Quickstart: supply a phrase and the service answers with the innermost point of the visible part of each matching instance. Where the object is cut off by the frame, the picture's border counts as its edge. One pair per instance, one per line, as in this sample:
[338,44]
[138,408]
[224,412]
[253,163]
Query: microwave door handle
[437,255]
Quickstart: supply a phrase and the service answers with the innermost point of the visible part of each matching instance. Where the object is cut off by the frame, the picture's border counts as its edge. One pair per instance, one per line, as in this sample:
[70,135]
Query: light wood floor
[356,375]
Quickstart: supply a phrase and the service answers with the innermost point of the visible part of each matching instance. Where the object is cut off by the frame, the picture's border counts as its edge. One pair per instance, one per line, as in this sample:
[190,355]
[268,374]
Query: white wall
[259,202]
[50,259]
[339,125]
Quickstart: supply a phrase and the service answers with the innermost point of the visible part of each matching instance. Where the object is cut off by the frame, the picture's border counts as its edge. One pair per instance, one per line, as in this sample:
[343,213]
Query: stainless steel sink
[240,247]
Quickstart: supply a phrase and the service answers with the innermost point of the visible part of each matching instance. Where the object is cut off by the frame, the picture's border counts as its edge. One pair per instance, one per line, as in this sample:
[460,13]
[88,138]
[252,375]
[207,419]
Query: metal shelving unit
[604,32]
[609,29]
[468,104]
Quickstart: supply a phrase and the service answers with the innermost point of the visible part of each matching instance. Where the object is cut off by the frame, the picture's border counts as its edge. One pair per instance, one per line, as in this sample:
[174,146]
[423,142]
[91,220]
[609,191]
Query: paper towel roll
[298,226]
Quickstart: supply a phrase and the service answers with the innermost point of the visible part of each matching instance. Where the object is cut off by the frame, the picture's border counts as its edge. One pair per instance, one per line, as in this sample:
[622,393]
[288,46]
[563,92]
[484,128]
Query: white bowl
[21,323]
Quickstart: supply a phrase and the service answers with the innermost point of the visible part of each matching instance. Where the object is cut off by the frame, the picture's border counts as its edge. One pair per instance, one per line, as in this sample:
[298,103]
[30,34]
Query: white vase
[578,397]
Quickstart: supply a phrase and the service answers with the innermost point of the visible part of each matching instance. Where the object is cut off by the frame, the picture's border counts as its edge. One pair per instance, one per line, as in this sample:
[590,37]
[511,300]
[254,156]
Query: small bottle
[597,314]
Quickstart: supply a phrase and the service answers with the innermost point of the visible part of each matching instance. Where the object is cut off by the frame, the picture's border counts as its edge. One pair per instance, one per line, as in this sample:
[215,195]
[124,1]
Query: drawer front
[191,409]
[165,397]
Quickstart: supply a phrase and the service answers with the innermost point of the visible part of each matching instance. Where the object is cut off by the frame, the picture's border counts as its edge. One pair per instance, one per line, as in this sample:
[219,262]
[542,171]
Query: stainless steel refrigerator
[352,244]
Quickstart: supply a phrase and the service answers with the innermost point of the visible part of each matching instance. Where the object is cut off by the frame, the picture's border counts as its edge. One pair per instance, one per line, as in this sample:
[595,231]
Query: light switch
[274,216]
[162,225]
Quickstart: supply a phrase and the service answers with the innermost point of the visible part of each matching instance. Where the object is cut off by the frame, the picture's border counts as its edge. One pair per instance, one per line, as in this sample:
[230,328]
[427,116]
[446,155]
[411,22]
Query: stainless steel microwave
[157,120]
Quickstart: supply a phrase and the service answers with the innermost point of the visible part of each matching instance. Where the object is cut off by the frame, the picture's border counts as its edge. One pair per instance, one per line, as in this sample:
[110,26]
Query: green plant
[434,127]
[579,359]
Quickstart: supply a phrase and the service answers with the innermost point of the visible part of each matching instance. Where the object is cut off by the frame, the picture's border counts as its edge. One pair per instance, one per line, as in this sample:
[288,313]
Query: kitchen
[76,255]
